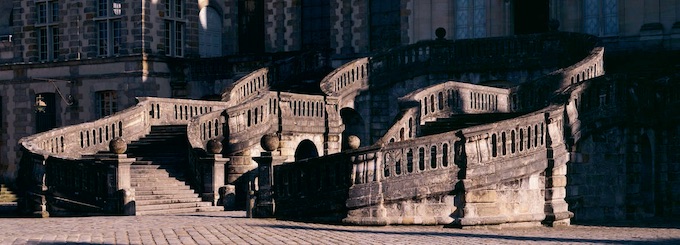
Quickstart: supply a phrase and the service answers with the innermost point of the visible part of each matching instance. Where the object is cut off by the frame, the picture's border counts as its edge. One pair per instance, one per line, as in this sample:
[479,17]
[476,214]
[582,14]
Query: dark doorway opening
[46,118]
[306,149]
[531,16]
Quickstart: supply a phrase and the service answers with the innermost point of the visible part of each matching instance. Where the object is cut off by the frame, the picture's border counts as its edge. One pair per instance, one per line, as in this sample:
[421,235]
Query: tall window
[47,29]
[210,33]
[601,17]
[251,26]
[109,27]
[315,24]
[385,24]
[174,28]
[105,103]
[470,19]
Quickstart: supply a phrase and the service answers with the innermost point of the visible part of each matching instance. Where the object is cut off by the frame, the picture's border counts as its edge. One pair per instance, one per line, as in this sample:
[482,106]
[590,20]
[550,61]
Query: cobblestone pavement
[234,228]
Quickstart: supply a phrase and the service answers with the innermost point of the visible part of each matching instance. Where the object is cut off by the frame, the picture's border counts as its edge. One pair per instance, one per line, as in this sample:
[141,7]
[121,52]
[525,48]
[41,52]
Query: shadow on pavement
[509,238]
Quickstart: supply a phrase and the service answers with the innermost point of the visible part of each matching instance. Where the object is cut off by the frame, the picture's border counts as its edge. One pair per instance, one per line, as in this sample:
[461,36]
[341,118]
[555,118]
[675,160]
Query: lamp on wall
[40,105]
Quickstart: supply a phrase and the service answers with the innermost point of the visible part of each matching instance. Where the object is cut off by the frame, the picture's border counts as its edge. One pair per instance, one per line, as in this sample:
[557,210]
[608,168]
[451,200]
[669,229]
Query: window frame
[174,27]
[109,25]
[47,29]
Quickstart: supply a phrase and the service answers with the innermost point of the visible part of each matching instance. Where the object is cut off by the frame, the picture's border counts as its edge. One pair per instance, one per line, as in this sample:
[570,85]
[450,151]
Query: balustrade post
[120,187]
[213,172]
[34,201]
[265,203]
[556,208]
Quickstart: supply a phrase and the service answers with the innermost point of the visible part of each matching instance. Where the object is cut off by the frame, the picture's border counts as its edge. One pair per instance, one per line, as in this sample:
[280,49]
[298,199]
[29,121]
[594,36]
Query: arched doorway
[354,125]
[306,149]
[650,186]
[209,33]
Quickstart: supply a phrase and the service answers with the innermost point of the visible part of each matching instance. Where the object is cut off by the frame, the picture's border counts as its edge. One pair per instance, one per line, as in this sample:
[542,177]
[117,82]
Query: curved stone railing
[205,128]
[487,54]
[444,100]
[131,124]
[353,74]
[248,87]
[247,122]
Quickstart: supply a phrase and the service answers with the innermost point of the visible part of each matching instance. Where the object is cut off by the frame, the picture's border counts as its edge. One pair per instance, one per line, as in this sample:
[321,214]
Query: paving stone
[233,228]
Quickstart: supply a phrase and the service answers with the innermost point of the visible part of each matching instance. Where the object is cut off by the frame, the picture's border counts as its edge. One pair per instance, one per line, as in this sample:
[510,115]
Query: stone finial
[440,33]
[214,146]
[353,142]
[118,145]
[269,142]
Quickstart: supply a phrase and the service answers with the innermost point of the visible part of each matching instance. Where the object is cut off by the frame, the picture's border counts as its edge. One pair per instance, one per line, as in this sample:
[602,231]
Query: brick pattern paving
[233,228]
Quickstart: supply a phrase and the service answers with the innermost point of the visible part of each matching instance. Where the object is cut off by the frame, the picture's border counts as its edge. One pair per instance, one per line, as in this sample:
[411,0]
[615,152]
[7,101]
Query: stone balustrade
[487,54]
[248,87]
[303,113]
[248,121]
[348,75]
[131,124]
[205,128]
[442,101]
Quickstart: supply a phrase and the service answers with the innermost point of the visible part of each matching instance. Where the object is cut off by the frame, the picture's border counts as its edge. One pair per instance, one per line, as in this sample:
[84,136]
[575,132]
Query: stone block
[483,196]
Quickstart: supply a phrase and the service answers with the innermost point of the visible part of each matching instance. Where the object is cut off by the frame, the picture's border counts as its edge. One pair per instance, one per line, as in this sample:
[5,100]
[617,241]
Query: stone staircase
[6,195]
[157,176]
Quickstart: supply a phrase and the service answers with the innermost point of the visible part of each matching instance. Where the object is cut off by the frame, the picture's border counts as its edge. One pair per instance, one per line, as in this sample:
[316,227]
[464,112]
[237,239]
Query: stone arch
[649,189]
[210,32]
[306,149]
[354,125]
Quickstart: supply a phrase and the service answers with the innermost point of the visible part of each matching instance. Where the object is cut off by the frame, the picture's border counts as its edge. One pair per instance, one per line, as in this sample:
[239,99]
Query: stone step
[164,197]
[144,188]
[181,210]
[172,206]
[166,201]
[6,195]
[164,192]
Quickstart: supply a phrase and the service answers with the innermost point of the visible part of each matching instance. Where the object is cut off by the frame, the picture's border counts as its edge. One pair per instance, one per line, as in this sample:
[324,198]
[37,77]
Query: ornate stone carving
[118,145]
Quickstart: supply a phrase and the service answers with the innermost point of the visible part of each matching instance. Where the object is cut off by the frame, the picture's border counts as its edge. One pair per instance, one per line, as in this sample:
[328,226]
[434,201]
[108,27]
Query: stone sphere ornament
[269,142]
[440,33]
[117,145]
[353,142]
[214,146]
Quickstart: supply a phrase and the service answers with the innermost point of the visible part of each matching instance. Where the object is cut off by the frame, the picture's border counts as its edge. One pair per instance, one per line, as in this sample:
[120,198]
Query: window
[105,103]
[47,29]
[174,28]
[470,19]
[601,17]
[210,33]
[109,26]
[315,24]
[385,24]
